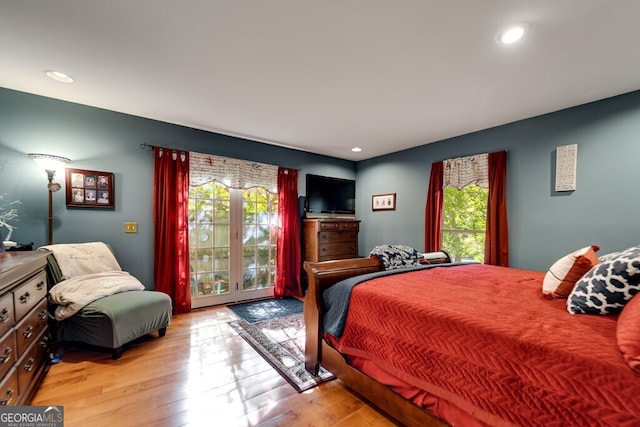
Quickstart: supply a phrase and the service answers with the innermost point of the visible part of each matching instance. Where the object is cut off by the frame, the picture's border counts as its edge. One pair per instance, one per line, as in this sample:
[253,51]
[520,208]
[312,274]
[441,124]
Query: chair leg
[162,331]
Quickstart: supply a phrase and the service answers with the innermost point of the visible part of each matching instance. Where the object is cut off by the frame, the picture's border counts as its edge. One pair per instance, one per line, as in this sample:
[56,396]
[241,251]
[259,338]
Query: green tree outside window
[464,222]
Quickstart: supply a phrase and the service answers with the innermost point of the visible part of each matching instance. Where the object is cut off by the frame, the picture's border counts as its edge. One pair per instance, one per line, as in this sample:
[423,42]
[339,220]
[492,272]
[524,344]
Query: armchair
[92,313]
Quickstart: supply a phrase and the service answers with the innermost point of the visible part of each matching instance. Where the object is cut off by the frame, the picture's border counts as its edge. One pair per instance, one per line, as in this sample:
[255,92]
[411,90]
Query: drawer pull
[28,367]
[4,315]
[25,298]
[7,400]
[28,332]
[40,285]
[4,358]
[43,315]
[44,342]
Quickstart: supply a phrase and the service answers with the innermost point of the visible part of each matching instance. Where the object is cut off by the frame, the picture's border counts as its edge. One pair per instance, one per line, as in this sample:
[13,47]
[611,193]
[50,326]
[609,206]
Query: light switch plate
[130,227]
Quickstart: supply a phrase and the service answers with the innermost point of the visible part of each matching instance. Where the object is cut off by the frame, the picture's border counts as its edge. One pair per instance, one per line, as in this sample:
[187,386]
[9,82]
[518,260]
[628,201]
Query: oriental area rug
[280,341]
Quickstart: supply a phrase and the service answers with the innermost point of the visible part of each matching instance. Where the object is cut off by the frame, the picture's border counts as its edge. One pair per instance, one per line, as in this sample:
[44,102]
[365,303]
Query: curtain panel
[170,227]
[496,242]
[433,215]
[288,257]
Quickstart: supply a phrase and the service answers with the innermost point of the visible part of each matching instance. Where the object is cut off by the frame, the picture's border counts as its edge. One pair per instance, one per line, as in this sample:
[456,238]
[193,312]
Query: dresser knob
[4,315]
[4,358]
[7,400]
[28,367]
[28,332]
[25,298]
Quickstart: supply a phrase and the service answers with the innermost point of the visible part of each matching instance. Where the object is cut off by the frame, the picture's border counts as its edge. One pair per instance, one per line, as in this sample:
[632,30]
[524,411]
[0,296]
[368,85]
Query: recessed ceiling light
[356,149]
[58,76]
[512,34]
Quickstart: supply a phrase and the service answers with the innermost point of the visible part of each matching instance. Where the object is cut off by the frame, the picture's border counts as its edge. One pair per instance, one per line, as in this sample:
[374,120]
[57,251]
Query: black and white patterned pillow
[613,255]
[396,256]
[608,286]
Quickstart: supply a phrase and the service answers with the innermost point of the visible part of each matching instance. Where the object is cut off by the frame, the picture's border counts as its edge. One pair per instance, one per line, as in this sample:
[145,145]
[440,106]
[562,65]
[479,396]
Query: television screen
[328,195]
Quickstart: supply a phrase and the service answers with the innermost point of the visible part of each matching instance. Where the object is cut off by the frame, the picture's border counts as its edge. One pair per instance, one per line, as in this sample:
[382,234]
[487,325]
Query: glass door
[232,243]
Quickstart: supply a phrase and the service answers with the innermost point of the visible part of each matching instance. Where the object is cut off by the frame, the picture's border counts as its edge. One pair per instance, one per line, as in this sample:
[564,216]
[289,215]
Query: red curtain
[433,217]
[288,240]
[496,243]
[170,227]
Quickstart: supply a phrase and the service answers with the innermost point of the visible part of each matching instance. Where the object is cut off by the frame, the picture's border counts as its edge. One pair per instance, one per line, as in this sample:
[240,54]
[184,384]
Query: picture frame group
[90,189]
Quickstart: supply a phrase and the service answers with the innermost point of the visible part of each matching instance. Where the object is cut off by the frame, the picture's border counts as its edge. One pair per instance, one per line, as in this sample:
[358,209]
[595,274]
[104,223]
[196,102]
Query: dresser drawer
[29,327]
[8,352]
[336,237]
[7,319]
[340,226]
[350,226]
[32,361]
[9,389]
[337,251]
[329,226]
[26,296]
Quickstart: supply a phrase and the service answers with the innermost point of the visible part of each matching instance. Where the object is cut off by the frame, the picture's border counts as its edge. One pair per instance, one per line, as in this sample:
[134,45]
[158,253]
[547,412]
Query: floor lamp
[50,164]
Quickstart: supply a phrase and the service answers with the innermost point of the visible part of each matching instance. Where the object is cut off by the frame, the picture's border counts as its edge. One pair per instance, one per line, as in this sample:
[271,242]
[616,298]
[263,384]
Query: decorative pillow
[628,333]
[396,256]
[564,273]
[608,286]
[611,255]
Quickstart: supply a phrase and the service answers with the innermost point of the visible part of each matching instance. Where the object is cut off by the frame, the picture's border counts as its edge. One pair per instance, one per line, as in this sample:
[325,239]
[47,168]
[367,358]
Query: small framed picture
[90,189]
[383,202]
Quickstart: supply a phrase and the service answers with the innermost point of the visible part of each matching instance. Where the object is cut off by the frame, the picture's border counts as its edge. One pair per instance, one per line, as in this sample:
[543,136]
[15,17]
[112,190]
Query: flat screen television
[327,197]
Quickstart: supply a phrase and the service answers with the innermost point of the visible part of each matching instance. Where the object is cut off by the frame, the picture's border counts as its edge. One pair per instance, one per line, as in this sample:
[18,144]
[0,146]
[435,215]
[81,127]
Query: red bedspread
[484,339]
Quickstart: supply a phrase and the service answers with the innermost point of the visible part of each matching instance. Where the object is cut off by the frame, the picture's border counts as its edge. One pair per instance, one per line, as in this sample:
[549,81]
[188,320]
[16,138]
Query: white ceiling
[323,76]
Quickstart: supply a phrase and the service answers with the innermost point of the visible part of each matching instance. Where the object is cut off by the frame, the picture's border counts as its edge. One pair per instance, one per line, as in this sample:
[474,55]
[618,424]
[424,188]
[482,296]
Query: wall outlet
[130,227]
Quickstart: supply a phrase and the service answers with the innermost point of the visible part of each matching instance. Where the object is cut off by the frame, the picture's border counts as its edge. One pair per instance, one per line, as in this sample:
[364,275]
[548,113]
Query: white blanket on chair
[78,259]
[73,294]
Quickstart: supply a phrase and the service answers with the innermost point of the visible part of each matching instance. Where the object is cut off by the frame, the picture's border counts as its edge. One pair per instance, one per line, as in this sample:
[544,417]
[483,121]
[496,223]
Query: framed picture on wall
[383,202]
[90,189]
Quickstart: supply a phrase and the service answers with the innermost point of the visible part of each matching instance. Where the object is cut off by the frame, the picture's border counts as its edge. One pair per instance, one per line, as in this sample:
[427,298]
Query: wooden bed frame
[320,276]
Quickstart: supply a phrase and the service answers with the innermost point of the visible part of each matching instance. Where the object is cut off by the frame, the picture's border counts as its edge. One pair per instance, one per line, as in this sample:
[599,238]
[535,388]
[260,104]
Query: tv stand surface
[345,217]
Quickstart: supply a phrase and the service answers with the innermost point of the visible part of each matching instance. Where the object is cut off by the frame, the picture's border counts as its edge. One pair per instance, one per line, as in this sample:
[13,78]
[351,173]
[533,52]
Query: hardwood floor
[200,374]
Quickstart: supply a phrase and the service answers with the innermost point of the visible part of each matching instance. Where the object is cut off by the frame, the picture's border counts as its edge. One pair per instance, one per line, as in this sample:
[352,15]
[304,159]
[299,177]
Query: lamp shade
[48,161]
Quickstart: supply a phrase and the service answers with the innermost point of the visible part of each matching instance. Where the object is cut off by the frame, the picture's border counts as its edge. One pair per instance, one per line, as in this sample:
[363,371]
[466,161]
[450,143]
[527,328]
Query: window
[464,222]
[459,173]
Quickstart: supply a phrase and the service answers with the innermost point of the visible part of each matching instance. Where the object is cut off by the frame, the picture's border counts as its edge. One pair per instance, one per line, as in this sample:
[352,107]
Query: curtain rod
[145,146]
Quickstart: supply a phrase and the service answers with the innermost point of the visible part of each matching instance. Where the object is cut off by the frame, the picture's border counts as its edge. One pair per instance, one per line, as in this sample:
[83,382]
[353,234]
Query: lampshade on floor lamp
[50,164]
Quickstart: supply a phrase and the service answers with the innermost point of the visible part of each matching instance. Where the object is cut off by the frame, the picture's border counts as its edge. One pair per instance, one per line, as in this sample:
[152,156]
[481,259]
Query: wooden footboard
[320,276]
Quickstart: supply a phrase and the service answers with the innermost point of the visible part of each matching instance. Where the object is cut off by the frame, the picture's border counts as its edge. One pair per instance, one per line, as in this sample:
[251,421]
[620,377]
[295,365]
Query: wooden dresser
[327,239]
[24,332]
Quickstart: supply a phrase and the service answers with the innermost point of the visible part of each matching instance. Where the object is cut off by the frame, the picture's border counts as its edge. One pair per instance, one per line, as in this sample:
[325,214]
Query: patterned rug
[257,311]
[280,341]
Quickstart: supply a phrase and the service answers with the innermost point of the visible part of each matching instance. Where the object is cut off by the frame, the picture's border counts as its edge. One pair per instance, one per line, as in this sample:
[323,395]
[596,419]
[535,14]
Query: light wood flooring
[200,374]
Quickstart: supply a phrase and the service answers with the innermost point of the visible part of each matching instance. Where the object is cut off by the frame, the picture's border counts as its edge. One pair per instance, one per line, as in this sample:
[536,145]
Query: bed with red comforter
[471,344]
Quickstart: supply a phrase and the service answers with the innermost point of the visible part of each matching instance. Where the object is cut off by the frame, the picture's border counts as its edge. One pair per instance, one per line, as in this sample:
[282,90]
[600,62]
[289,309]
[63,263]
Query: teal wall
[101,140]
[543,225]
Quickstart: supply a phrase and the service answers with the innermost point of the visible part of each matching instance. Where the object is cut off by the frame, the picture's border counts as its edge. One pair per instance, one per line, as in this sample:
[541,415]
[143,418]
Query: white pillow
[564,273]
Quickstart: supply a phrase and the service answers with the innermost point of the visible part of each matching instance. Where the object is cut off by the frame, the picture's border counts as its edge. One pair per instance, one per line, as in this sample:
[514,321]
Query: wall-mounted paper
[566,162]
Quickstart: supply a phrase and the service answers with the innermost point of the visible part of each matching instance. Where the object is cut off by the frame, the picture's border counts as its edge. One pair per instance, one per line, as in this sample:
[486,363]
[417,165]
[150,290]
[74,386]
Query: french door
[232,243]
